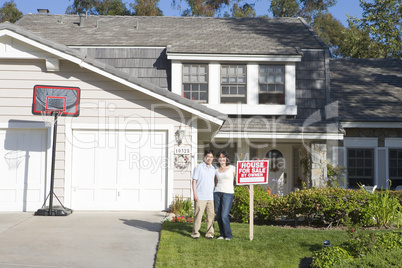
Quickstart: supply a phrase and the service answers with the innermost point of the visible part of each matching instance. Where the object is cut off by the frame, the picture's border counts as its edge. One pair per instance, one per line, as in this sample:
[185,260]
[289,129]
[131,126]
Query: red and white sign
[252,172]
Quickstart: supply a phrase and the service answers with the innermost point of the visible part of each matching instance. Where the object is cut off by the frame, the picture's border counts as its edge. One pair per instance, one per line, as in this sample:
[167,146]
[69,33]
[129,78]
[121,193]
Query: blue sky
[351,7]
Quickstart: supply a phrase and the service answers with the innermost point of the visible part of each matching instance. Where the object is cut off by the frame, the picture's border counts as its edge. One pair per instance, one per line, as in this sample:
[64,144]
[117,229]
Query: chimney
[43,11]
[83,16]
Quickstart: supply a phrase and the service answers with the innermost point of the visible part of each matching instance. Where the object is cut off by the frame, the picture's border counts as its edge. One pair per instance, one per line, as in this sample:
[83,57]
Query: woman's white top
[225,180]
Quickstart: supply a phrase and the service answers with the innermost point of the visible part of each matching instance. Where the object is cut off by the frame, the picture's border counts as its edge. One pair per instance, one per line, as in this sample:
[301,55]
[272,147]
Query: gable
[16,40]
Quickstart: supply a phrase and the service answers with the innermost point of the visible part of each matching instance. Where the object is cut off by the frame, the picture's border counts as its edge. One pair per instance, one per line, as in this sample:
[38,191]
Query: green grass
[271,247]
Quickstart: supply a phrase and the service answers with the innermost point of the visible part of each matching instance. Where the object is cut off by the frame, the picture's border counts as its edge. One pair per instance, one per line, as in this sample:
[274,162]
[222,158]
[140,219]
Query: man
[203,189]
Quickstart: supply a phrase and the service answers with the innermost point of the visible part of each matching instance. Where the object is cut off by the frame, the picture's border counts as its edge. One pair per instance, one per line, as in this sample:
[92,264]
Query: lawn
[271,247]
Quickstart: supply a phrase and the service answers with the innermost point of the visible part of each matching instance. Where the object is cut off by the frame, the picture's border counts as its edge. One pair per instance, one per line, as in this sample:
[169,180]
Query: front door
[280,173]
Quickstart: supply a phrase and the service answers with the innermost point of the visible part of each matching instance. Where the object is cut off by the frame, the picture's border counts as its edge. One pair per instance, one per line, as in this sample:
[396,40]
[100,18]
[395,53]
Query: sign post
[250,173]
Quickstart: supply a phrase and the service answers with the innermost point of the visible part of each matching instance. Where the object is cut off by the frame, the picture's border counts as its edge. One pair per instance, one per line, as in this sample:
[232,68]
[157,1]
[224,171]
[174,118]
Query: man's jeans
[223,204]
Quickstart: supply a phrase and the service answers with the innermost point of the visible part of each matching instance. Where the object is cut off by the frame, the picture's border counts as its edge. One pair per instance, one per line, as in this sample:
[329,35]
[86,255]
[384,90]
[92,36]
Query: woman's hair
[226,155]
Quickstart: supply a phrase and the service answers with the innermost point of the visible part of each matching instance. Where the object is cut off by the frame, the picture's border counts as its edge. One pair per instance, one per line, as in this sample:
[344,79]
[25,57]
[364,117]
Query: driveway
[81,239]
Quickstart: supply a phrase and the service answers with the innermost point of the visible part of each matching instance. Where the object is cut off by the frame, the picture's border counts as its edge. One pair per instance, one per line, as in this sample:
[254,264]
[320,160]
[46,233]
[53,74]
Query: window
[395,167]
[233,88]
[271,84]
[360,167]
[195,82]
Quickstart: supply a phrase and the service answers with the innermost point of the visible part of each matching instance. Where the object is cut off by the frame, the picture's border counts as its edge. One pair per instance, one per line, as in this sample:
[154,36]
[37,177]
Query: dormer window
[195,82]
[233,84]
[271,84]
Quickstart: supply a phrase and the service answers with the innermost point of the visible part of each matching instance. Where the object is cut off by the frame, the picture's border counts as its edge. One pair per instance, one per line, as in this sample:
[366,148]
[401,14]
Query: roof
[195,35]
[153,89]
[368,90]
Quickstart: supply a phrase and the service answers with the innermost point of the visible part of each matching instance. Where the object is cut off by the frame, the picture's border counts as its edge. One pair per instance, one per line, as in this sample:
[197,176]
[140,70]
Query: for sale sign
[252,172]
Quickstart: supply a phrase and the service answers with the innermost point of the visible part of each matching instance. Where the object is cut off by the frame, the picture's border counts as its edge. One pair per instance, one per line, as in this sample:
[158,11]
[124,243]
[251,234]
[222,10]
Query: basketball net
[14,159]
[49,117]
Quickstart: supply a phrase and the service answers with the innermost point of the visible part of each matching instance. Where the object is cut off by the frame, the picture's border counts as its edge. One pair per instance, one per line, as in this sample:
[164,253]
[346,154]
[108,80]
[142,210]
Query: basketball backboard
[50,99]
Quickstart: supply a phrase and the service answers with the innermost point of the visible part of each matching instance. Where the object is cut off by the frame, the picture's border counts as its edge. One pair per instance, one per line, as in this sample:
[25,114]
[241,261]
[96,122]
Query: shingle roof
[113,71]
[367,89]
[258,36]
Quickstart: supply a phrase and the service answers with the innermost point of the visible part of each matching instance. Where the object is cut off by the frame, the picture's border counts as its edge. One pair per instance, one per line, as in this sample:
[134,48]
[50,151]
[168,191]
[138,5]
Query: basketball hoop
[49,117]
[51,102]
[14,159]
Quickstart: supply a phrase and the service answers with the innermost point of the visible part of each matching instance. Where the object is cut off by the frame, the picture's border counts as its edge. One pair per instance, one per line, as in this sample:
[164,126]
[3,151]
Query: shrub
[241,204]
[362,250]
[379,259]
[181,207]
[331,257]
[321,206]
[386,209]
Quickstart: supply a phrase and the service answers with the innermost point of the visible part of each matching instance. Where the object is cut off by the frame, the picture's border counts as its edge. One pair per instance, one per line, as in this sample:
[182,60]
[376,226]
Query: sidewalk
[82,239]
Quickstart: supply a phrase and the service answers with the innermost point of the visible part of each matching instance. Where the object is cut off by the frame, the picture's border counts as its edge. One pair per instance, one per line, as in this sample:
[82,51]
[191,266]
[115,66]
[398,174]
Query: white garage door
[114,170]
[22,167]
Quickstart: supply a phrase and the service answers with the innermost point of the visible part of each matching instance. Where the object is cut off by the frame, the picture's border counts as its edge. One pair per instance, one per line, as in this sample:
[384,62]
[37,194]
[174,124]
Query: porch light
[179,135]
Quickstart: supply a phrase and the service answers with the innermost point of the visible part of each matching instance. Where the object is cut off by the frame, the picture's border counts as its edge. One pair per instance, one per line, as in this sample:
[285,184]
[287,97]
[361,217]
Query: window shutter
[381,167]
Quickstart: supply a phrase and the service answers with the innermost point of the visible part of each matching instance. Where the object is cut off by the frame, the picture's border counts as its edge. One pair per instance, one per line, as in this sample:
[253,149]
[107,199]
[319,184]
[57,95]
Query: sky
[339,11]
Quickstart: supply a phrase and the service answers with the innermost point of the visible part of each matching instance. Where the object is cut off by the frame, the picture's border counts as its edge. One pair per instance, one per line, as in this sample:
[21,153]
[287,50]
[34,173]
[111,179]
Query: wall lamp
[179,135]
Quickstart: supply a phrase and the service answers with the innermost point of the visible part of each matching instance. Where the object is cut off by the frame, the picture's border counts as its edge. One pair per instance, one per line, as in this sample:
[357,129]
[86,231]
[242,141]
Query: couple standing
[206,177]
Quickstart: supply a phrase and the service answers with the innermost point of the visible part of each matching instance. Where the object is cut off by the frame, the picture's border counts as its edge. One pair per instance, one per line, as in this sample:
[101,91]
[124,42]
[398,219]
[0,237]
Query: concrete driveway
[81,239]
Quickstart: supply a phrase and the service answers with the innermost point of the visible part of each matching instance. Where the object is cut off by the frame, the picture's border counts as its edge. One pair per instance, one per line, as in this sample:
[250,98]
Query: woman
[223,195]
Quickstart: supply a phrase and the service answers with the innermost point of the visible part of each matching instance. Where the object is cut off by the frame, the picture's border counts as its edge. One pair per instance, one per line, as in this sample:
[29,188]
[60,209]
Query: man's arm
[195,190]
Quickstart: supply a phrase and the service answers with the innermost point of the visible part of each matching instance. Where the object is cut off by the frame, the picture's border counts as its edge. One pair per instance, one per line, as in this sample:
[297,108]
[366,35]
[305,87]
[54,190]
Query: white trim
[360,142]
[229,57]
[99,71]
[290,85]
[285,136]
[252,85]
[260,109]
[372,124]
[194,152]
[214,82]
[393,142]
[177,74]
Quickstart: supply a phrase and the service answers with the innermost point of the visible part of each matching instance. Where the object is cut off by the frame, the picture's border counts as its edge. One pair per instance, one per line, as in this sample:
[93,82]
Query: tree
[308,9]
[98,7]
[331,31]
[111,7]
[206,8]
[146,8]
[284,8]
[9,12]
[357,43]
[246,11]
[383,20]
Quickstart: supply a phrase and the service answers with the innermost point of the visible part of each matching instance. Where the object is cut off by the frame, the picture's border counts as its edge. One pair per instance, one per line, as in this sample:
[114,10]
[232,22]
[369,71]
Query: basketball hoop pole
[56,114]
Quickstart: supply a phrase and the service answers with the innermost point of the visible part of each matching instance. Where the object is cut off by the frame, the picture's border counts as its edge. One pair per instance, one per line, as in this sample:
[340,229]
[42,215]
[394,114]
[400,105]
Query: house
[369,92]
[155,93]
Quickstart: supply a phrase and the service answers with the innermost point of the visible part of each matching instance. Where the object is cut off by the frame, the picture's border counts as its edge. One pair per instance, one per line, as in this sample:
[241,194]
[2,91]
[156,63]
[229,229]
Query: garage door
[22,167]
[114,170]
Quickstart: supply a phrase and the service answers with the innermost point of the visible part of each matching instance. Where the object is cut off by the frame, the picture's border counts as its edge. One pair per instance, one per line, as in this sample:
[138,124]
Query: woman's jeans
[223,204]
